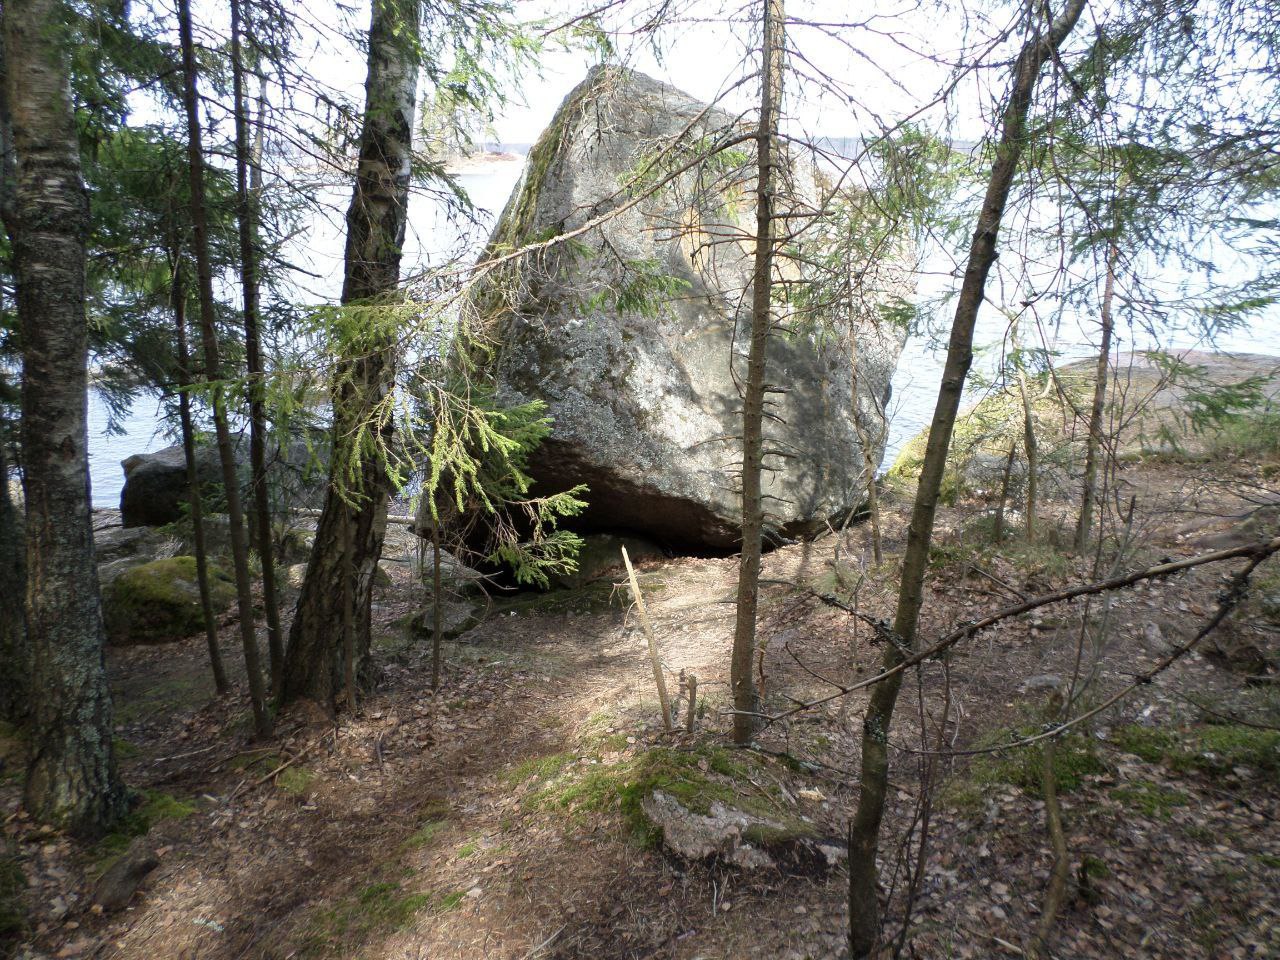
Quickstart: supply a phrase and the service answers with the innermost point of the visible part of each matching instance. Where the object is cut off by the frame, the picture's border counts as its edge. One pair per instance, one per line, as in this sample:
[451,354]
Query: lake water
[915,384]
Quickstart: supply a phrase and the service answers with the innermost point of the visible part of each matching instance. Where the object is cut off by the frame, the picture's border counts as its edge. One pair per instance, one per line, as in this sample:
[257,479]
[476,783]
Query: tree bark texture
[376,220]
[71,779]
[213,368]
[864,829]
[744,634]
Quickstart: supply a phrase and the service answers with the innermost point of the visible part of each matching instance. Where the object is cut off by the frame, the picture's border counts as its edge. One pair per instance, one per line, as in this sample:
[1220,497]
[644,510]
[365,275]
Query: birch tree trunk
[359,485]
[71,780]
[864,829]
[744,634]
[213,373]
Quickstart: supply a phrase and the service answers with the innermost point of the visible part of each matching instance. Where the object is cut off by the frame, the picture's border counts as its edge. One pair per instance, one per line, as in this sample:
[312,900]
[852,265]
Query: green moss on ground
[1214,748]
[1075,758]
[1150,798]
[375,909]
[424,835]
[141,698]
[13,912]
[160,601]
[295,781]
[579,782]
[155,807]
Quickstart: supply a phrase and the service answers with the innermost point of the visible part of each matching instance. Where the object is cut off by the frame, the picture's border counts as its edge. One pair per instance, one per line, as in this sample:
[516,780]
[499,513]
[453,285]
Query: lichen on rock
[634,330]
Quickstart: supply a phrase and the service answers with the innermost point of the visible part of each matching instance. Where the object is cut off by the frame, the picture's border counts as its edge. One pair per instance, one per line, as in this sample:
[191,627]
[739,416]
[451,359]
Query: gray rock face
[155,484]
[645,398]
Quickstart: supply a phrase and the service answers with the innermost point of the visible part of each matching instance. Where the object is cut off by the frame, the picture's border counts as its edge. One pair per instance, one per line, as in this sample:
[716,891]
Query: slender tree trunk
[72,779]
[437,604]
[359,485]
[15,657]
[1032,448]
[1093,445]
[213,368]
[744,635]
[864,829]
[247,214]
[193,481]
[997,527]
[868,465]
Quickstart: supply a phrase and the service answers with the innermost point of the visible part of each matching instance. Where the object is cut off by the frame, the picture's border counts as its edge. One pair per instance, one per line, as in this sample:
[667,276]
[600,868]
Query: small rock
[116,887]
[1041,683]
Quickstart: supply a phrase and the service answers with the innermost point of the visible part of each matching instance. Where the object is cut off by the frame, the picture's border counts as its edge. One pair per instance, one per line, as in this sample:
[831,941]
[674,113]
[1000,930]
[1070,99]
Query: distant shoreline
[482,162]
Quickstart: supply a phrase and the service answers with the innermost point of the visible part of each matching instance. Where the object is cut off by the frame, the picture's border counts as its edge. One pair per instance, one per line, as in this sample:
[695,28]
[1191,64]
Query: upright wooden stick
[653,642]
[693,703]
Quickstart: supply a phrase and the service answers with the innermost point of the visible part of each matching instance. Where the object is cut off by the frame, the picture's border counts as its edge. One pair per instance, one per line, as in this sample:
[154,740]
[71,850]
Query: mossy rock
[983,434]
[701,803]
[159,602]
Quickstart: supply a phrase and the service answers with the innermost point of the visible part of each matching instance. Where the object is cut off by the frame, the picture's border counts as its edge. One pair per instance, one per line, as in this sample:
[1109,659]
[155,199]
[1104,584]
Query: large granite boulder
[155,484]
[645,395]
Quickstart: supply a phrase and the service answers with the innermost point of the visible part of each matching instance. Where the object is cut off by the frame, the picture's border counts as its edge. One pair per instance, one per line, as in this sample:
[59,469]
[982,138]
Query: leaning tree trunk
[744,634]
[1093,445]
[864,829]
[212,370]
[355,508]
[71,779]
[193,481]
[246,213]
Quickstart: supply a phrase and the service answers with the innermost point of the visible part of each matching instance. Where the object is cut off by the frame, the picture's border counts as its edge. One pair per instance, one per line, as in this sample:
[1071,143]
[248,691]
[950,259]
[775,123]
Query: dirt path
[490,822]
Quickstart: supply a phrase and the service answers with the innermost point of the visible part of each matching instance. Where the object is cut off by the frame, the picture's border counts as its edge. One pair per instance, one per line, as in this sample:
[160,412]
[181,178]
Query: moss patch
[156,807]
[295,781]
[140,698]
[1151,798]
[579,782]
[1215,748]
[1075,758]
[375,908]
[160,601]
[424,835]
[13,913]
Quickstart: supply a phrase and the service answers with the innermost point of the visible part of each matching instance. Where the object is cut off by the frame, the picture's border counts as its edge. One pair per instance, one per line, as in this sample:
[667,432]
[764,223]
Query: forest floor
[498,819]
